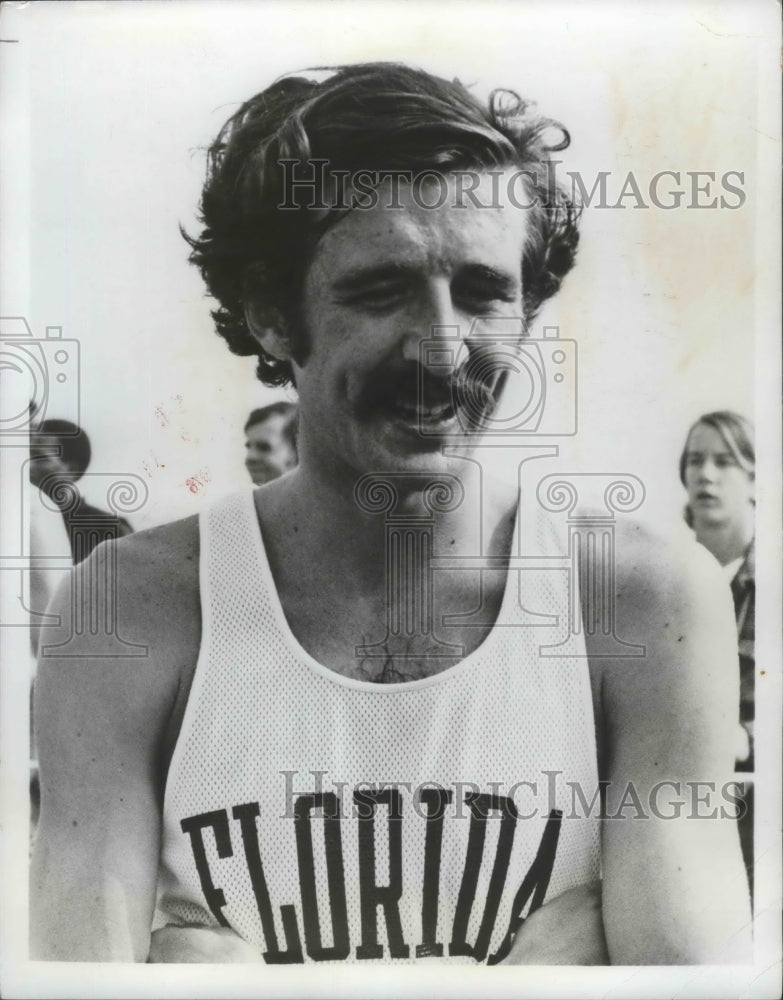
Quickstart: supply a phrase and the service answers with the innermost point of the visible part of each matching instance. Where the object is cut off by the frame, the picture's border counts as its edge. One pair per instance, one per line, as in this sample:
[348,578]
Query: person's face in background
[720,489]
[268,450]
[47,466]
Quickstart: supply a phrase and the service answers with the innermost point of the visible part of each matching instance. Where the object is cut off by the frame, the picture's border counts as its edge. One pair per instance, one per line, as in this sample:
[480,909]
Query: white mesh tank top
[329,819]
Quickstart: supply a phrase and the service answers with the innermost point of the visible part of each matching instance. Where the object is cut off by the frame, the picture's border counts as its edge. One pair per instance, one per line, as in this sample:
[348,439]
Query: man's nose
[437,332]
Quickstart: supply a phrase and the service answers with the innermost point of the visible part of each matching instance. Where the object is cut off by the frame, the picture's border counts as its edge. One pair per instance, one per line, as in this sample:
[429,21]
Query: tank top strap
[237,586]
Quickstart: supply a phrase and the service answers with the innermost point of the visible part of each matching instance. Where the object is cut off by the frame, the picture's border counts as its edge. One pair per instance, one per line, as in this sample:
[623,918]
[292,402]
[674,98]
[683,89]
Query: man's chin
[260,478]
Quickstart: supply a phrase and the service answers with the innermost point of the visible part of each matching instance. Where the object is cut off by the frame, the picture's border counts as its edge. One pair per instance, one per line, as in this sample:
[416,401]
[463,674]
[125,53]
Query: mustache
[472,391]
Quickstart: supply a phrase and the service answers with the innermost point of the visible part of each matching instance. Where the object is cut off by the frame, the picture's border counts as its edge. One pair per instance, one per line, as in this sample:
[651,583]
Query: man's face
[381,281]
[720,491]
[268,451]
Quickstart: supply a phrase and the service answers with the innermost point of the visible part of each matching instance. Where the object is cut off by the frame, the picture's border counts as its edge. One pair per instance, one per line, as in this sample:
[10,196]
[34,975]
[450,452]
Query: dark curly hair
[373,117]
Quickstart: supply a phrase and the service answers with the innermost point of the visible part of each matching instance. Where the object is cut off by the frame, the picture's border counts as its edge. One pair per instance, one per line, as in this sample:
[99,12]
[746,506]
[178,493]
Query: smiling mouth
[432,414]
[417,402]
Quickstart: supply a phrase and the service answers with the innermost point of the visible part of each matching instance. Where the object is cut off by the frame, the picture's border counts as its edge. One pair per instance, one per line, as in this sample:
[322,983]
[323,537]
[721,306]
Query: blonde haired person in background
[717,468]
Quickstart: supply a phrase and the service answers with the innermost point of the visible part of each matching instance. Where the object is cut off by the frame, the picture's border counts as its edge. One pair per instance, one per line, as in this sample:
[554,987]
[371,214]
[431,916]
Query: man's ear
[268,327]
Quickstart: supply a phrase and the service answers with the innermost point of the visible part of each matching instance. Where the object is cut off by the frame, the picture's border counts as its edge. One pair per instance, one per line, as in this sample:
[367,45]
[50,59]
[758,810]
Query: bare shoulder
[669,586]
[652,561]
[157,577]
[139,589]
[127,641]
[162,559]
[679,692]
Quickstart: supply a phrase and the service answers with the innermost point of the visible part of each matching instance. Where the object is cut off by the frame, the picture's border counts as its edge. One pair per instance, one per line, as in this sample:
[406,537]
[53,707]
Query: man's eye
[482,297]
[377,296]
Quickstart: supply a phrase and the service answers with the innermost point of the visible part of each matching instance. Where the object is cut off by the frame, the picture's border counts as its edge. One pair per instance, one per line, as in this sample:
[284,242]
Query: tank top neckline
[307,659]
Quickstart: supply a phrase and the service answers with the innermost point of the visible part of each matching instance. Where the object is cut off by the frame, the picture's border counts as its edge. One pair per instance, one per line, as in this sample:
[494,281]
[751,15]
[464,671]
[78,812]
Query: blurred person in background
[60,453]
[717,468]
[270,442]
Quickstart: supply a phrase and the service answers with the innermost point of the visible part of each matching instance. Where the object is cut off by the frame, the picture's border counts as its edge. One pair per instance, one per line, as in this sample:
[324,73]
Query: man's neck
[347,523]
[342,563]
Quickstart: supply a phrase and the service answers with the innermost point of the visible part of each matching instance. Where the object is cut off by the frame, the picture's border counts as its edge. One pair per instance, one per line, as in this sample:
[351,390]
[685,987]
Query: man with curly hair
[345,743]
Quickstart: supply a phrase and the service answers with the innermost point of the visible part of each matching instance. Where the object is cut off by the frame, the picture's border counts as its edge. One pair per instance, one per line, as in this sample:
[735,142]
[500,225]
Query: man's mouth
[419,400]
[423,412]
[705,497]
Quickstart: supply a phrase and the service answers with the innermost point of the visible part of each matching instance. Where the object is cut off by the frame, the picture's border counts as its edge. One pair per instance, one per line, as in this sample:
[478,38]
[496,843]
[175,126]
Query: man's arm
[102,720]
[674,889]
[674,886]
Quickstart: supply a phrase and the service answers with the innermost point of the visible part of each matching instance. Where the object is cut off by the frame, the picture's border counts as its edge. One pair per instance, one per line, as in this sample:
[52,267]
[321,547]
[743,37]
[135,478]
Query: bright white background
[123,98]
